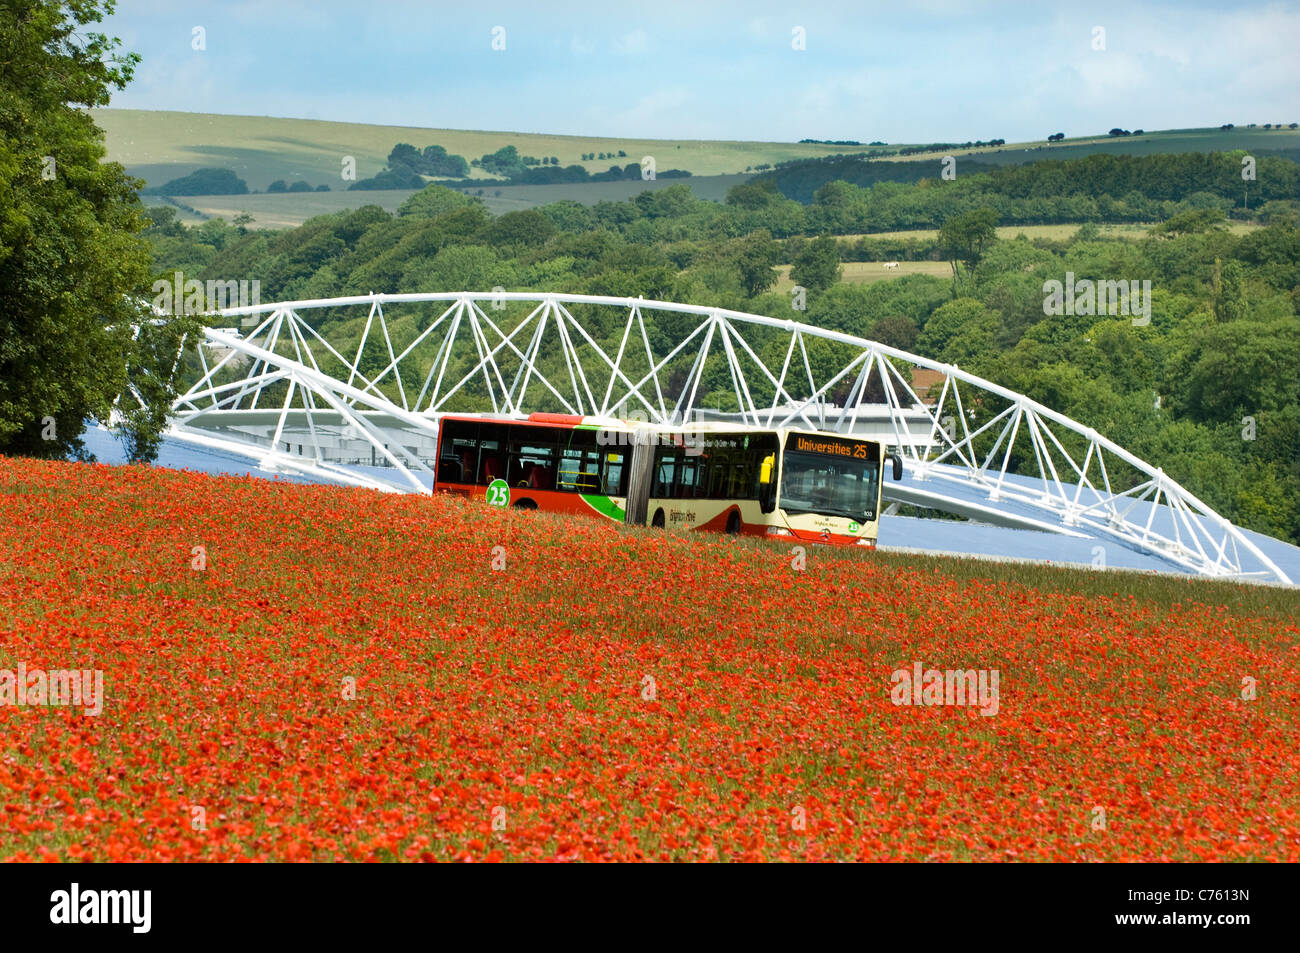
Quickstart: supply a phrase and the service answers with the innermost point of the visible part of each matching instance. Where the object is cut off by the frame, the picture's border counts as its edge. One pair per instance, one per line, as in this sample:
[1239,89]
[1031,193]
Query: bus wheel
[658,521]
[525,504]
[733,523]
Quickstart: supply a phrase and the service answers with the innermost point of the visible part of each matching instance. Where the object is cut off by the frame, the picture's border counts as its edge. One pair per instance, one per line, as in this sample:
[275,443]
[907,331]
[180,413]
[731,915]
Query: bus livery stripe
[603,505]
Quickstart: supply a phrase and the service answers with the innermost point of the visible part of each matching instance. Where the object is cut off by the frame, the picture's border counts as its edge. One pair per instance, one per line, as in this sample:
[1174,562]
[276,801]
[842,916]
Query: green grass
[285,210]
[1280,603]
[507,198]
[160,145]
[281,210]
[1163,589]
[1149,143]
[869,272]
[1057,232]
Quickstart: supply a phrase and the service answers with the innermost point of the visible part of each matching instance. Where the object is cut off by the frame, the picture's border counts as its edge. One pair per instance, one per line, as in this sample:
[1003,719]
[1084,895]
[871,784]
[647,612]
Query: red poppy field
[343,675]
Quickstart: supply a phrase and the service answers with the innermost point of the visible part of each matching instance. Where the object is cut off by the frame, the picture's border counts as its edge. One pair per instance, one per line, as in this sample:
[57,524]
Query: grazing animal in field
[891,265]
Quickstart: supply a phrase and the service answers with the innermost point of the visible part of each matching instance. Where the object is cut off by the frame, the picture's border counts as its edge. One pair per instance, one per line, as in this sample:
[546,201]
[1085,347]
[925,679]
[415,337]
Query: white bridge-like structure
[276,386]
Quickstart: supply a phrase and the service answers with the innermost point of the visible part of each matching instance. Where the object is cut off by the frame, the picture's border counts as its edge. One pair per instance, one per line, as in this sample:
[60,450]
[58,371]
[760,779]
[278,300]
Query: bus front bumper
[819,537]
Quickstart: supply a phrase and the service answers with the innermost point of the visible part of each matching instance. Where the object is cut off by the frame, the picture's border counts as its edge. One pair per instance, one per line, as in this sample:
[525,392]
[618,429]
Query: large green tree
[434,200]
[73,270]
[966,237]
[817,267]
[757,254]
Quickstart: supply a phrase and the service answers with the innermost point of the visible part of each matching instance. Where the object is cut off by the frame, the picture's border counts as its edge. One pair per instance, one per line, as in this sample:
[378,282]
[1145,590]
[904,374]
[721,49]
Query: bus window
[687,476]
[830,485]
[590,473]
[531,465]
[466,461]
[614,474]
[739,488]
[665,473]
[584,437]
[471,452]
[718,479]
[458,458]
[491,459]
[579,470]
[570,473]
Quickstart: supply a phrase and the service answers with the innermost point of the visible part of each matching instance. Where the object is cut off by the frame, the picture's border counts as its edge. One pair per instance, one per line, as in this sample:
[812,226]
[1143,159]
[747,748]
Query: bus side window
[686,478]
[570,473]
[665,473]
[532,465]
[614,474]
[491,467]
[738,489]
[491,462]
[459,442]
[459,460]
[718,479]
[589,478]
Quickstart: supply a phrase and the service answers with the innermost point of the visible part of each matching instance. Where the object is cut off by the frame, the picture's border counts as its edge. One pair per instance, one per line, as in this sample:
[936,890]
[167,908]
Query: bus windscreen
[830,477]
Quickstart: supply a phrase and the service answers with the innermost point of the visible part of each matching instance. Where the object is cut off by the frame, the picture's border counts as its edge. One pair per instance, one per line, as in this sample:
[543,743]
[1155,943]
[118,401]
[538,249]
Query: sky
[922,71]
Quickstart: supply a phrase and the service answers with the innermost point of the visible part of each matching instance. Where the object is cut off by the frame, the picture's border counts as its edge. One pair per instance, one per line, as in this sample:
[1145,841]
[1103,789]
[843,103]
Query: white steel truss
[369,417]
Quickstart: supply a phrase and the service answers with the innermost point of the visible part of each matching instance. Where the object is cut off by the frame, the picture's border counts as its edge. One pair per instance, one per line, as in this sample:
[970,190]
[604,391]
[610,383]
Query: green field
[1057,232]
[1149,143]
[283,210]
[159,146]
[869,272]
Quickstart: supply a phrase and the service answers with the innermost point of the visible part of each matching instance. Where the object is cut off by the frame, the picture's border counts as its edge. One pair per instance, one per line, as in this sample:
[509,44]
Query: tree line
[1158,177]
[410,169]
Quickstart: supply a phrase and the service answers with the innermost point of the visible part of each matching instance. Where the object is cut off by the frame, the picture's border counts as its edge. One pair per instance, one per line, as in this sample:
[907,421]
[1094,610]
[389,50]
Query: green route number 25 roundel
[498,493]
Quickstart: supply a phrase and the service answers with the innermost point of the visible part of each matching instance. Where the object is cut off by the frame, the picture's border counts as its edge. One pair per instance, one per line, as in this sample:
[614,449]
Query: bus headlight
[778,531]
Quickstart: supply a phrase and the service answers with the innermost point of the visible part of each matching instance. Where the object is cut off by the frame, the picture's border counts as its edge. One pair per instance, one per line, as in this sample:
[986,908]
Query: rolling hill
[159,146]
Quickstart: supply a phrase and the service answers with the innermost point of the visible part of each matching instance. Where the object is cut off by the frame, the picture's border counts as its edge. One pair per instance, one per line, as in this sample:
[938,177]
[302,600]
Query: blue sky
[899,72]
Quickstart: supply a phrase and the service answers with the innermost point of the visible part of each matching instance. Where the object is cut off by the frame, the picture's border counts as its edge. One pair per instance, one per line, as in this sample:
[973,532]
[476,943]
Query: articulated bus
[774,482]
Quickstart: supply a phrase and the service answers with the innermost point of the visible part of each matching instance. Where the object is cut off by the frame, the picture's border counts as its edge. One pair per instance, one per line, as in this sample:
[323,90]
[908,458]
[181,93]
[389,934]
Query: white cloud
[1108,77]
[634,43]
[654,115]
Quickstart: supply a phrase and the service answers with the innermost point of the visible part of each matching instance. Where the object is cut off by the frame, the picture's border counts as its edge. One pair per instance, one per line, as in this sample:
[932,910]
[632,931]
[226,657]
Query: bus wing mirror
[765,474]
[898,465]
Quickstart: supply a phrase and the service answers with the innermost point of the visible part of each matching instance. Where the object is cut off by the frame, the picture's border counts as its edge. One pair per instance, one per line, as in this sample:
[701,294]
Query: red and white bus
[774,482]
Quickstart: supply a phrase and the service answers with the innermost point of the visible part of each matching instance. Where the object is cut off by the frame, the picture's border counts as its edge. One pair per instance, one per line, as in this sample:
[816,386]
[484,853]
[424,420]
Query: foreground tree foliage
[72,266]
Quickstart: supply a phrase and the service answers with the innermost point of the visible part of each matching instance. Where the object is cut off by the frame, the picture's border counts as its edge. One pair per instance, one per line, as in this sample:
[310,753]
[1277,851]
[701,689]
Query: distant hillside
[1163,176]
[159,146]
[272,210]
[1275,141]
